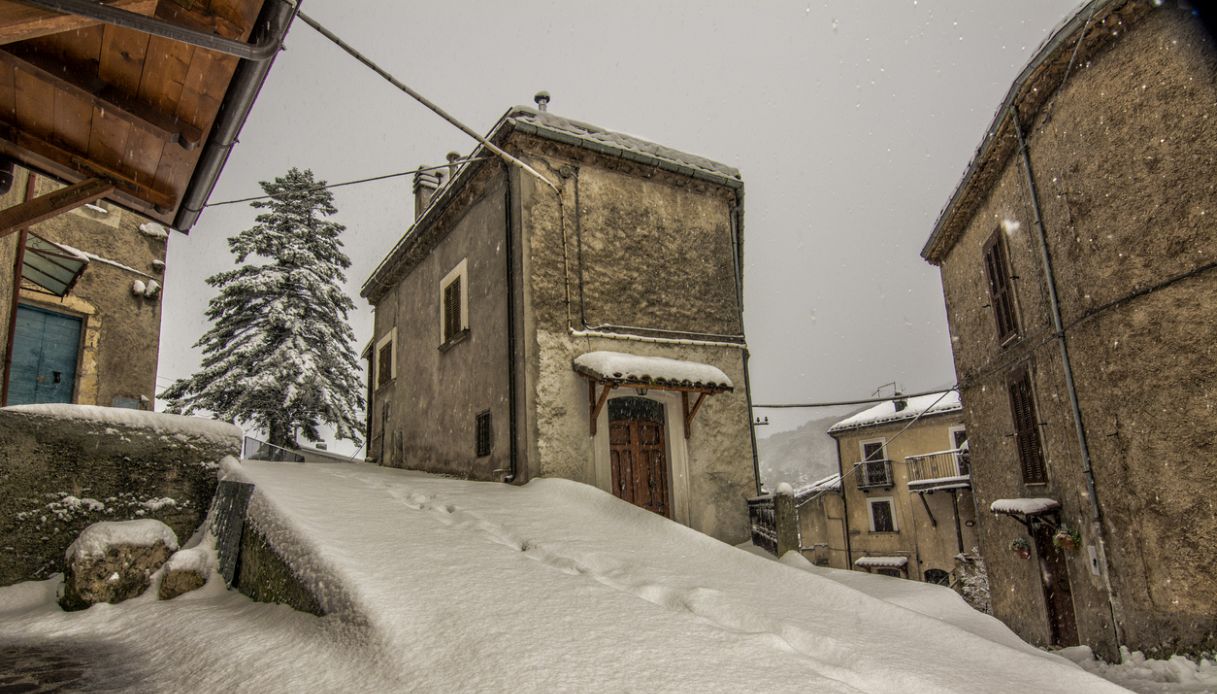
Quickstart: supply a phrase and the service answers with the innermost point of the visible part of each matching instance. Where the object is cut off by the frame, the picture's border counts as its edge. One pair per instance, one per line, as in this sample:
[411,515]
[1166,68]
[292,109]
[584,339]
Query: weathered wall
[929,543]
[822,527]
[656,253]
[438,392]
[59,476]
[1124,166]
[121,332]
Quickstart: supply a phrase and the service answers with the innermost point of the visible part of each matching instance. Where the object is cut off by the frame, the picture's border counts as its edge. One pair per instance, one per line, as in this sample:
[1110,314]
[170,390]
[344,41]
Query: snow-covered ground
[444,585]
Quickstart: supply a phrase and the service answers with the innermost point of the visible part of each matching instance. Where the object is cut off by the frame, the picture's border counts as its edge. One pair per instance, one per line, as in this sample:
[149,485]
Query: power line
[355,182]
[367,62]
[866,401]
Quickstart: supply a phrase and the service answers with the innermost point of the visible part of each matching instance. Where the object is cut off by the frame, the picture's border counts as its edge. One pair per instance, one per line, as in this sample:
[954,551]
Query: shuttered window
[384,364]
[1026,427]
[1001,291]
[452,308]
[483,434]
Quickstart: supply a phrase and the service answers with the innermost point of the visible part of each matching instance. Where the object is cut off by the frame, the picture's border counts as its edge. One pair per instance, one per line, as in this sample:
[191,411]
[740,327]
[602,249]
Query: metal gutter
[276,18]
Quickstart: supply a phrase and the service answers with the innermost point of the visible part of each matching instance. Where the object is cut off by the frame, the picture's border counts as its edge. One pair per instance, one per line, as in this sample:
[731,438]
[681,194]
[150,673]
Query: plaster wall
[928,543]
[119,350]
[439,390]
[822,529]
[1124,166]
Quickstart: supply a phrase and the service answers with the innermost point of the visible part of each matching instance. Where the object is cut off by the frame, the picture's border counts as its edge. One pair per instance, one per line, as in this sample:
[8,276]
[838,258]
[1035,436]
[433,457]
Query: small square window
[483,434]
[882,516]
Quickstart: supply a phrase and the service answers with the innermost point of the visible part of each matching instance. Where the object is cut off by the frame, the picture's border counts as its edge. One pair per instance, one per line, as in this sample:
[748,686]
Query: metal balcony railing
[936,469]
[874,473]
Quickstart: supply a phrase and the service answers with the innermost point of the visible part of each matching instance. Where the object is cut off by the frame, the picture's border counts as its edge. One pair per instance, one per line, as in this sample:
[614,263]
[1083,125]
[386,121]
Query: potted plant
[1066,539]
[1021,547]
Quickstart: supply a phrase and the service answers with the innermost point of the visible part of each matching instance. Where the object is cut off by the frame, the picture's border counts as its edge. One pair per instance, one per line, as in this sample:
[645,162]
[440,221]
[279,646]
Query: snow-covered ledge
[1024,507]
[616,369]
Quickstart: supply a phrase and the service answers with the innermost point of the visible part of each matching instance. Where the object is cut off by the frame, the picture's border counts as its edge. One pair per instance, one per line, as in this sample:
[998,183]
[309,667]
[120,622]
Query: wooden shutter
[1001,292]
[483,434]
[384,364]
[452,308]
[1026,427]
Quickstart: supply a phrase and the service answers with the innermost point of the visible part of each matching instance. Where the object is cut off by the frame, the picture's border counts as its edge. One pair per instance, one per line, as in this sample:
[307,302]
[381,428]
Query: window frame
[870,513]
[483,428]
[459,273]
[1001,288]
[1028,444]
[388,340]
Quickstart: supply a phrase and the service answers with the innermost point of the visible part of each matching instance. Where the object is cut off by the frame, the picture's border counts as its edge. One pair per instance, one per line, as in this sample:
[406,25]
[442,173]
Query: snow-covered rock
[185,571]
[113,561]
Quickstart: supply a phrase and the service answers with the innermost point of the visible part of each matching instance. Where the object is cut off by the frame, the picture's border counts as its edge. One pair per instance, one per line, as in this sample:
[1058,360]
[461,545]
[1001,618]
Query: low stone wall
[265,576]
[64,467]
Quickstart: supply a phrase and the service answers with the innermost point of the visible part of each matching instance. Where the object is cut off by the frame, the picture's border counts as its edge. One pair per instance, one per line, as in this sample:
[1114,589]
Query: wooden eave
[81,100]
[597,398]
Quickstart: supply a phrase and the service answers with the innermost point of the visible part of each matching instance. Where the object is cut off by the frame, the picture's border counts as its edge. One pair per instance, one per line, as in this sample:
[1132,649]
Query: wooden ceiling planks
[101,100]
[19,22]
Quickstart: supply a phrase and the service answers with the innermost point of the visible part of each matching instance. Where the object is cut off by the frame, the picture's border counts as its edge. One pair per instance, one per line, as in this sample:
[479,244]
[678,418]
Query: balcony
[874,473]
[941,470]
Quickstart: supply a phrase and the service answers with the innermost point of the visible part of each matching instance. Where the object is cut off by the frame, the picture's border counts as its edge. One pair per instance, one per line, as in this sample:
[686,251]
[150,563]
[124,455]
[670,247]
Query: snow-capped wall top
[550,126]
[830,483]
[886,412]
[96,539]
[1028,507]
[631,368]
[158,422]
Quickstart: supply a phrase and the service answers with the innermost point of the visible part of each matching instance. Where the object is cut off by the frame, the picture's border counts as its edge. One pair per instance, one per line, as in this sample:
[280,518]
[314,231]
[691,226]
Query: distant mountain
[799,457]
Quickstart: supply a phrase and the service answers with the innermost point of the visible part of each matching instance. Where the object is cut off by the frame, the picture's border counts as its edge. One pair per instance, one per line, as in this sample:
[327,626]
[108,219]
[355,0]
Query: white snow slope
[444,585]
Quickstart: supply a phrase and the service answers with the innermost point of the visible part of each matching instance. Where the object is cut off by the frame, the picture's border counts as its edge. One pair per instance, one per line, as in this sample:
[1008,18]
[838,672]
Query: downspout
[246,84]
[18,263]
[512,414]
[1096,514]
[849,549]
[737,224]
[958,527]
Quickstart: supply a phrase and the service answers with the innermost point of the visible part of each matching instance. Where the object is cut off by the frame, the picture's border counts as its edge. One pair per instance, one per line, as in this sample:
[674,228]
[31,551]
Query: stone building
[588,326]
[1077,259]
[80,315]
[905,488]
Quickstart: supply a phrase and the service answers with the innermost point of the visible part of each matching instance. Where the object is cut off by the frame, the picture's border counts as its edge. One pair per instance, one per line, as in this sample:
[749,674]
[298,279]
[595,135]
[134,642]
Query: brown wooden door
[638,453]
[1058,595]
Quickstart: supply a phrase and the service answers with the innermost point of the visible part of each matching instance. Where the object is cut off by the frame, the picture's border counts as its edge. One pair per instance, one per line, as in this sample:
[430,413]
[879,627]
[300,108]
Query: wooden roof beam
[52,204]
[64,164]
[19,21]
[104,96]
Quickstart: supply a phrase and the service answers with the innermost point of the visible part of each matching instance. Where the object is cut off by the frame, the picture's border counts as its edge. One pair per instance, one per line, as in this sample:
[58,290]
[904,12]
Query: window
[875,470]
[386,358]
[938,576]
[454,305]
[959,436]
[894,573]
[1001,292]
[1026,427]
[882,516]
[483,434]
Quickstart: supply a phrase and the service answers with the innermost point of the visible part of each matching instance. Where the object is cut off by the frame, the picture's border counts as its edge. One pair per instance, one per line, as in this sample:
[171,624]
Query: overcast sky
[850,121]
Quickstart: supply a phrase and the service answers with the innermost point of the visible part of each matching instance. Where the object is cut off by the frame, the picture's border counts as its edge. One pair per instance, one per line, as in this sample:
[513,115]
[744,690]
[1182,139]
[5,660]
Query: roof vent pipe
[425,185]
[542,99]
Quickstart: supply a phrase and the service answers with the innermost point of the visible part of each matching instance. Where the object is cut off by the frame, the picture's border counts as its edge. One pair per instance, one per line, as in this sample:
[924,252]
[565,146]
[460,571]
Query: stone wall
[61,474]
[1124,168]
[822,528]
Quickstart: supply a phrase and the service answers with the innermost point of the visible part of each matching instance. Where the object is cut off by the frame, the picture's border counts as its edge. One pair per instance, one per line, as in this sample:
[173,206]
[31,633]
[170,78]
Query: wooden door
[46,347]
[638,453]
[1058,595]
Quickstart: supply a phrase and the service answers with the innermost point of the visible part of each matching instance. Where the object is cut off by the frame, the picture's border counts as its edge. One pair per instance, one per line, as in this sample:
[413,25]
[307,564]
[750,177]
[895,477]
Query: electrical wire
[355,182]
[866,401]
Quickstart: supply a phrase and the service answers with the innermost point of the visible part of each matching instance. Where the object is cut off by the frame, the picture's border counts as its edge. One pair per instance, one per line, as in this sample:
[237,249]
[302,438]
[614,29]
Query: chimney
[425,185]
[542,99]
[901,403]
[453,157]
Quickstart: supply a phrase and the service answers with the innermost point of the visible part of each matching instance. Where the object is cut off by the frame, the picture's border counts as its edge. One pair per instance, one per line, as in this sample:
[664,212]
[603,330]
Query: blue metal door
[46,346]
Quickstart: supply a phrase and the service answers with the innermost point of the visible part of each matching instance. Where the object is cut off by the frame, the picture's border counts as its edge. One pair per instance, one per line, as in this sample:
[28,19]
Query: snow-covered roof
[660,371]
[1026,507]
[830,483]
[553,127]
[882,562]
[885,412]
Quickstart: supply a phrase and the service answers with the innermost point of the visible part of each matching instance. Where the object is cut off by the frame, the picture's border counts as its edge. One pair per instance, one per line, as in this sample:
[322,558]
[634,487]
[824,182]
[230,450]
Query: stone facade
[1122,151]
[117,359]
[634,256]
[932,522]
[821,514]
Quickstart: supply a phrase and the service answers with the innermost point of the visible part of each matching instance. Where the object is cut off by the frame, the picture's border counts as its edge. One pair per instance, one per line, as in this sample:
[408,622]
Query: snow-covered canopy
[619,367]
[881,562]
[886,412]
[1025,507]
[50,265]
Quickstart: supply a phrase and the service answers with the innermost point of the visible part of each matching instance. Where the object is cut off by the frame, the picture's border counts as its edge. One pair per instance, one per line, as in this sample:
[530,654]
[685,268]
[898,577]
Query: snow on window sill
[454,340]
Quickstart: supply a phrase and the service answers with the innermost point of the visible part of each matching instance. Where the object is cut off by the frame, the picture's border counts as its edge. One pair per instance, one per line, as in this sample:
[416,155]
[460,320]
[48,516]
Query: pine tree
[279,354]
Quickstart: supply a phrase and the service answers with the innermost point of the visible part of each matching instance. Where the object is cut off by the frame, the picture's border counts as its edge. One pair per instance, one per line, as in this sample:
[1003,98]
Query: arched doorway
[639,453]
